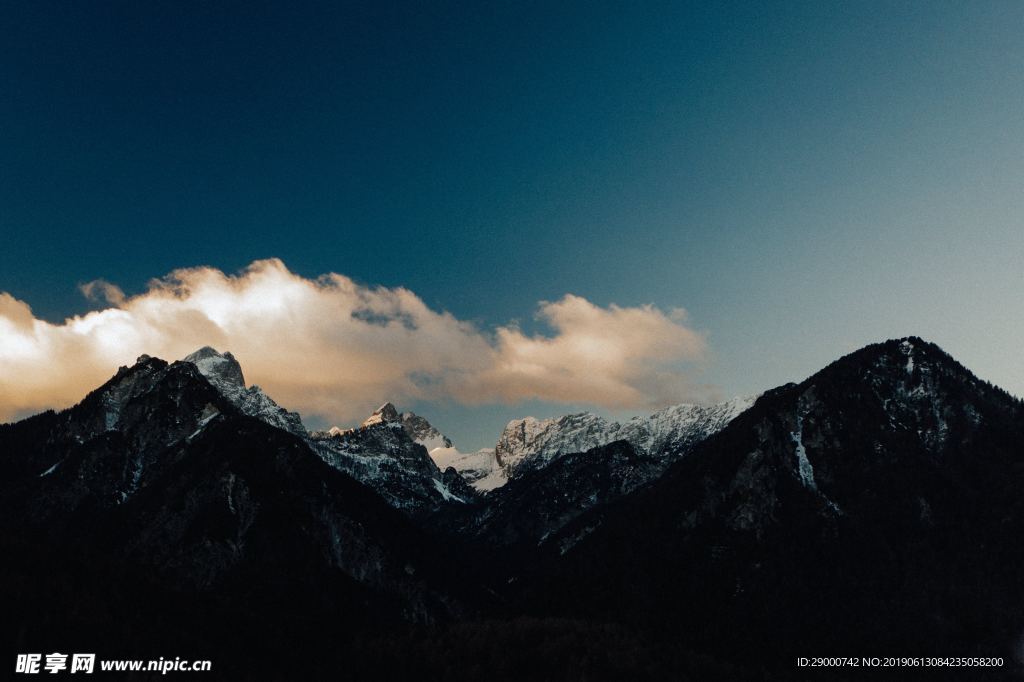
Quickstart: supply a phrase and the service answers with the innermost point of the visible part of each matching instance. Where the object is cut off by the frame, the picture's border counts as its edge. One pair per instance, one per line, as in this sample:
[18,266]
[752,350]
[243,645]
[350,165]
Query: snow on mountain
[479,468]
[384,455]
[225,374]
[216,367]
[388,452]
[419,429]
[382,451]
[530,443]
[136,415]
[408,461]
[533,443]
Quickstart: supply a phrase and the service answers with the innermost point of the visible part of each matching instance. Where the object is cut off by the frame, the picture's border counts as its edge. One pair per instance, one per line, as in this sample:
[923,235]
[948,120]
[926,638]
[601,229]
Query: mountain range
[872,509]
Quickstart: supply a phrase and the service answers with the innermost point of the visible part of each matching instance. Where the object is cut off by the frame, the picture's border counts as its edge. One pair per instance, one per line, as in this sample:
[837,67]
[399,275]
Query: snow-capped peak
[536,442]
[225,374]
[419,429]
[423,432]
[217,367]
[385,414]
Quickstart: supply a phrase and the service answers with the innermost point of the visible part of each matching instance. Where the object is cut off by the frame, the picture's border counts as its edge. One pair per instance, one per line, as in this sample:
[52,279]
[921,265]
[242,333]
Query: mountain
[422,432]
[416,427]
[110,443]
[384,457]
[538,502]
[158,514]
[560,468]
[529,443]
[873,507]
[552,484]
[387,453]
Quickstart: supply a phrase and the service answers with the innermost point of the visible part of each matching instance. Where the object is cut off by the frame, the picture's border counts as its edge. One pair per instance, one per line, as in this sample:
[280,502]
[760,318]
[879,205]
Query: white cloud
[332,347]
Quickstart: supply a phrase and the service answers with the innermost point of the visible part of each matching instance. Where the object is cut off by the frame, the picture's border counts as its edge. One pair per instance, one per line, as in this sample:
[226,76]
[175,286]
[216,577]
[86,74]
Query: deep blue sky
[803,178]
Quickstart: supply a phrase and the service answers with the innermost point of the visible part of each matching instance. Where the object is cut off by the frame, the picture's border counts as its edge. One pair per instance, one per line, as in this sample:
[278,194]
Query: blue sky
[802,178]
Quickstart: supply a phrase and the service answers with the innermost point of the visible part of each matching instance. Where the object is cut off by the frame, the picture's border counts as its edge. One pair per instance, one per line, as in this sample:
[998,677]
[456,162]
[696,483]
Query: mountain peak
[423,432]
[218,367]
[417,428]
[225,374]
[385,414]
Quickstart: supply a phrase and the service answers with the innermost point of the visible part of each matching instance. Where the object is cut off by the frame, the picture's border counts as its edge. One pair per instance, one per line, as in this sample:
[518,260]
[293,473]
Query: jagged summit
[418,428]
[423,432]
[225,374]
[391,452]
[533,443]
[216,366]
[385,414]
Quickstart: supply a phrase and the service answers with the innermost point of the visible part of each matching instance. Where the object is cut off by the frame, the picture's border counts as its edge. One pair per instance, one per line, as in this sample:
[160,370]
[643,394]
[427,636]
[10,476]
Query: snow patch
[571,541]
[203,424]
[433,442]
[50,470]
[445,493]
[804,467]
[495,479]
[907,348]
[480,469]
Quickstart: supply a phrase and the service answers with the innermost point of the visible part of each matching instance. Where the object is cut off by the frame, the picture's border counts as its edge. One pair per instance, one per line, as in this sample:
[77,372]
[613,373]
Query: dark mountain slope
[538,502]
[873,509]
[188,527]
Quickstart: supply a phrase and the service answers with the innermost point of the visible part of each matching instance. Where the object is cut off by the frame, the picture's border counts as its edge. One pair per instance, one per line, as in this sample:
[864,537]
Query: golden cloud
[332,347]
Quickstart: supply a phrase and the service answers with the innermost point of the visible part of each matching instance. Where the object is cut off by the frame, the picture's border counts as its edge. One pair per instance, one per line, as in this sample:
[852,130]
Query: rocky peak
[385,414]
[416,427]
[217,367]
[383,455]
[544,438]
[423,432]
[225,374]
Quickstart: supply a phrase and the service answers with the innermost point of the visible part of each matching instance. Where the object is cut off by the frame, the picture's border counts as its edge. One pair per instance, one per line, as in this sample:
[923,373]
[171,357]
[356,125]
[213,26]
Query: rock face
[385,414]
[422,432]
[220,369]
[225,374]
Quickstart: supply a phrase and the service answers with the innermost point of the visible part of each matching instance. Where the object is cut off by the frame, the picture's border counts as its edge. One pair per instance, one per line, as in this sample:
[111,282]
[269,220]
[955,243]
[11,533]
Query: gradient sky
[802,178]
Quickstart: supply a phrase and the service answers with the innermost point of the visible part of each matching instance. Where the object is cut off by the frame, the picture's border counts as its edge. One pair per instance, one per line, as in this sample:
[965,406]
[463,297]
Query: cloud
[102,290]
[331,347]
